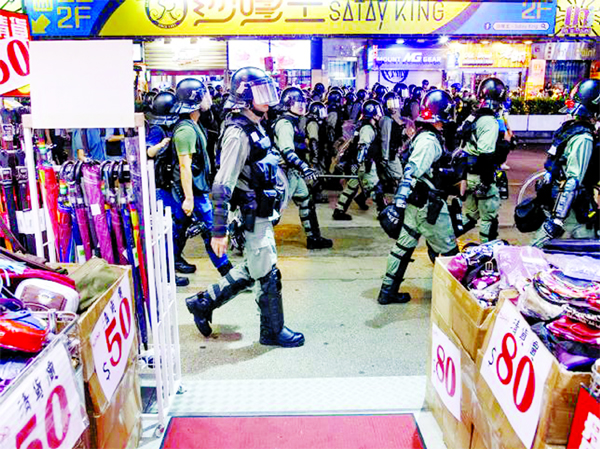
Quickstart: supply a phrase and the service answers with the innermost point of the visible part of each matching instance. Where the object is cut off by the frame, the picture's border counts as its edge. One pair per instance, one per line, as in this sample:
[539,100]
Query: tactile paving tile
[301,396]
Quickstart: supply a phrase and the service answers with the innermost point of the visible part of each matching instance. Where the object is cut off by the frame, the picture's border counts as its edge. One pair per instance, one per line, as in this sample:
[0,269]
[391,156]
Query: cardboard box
[458,309]
[120,425]
[457,434]
[558,407]
[87,321]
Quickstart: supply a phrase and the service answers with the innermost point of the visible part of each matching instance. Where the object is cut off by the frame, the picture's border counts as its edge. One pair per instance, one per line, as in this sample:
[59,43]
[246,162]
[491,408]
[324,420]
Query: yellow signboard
[108,18]
[578,18]
[535,80]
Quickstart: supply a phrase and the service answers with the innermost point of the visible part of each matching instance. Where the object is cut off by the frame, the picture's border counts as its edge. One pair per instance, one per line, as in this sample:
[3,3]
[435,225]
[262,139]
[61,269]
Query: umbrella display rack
[155,254]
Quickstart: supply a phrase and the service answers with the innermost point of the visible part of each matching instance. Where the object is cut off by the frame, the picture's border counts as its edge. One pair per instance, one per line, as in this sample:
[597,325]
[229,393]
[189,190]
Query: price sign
[112,338]
[515,366]
[445,370]
[14,64]
[45,411]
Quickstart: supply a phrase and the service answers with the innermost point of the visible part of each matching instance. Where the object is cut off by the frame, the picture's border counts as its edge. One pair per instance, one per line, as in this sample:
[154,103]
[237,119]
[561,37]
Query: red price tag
[112,338]
[446,372]
[515,366]
[45,411]
[14,64]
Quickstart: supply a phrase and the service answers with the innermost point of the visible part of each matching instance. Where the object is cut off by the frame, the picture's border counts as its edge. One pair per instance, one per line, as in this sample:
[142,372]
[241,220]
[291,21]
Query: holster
[585,207]
[246,201]
[268,201]
[434,208]
[419,195]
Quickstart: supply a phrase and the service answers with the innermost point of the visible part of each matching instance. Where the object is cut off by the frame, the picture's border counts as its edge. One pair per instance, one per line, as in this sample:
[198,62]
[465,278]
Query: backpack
[466,131]
[163,167]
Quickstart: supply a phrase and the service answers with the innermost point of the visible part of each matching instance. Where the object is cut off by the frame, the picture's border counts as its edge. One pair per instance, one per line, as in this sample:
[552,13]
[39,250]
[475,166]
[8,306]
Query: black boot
[181,281]
[224,269]
[318,243]
[389,291]
[272,330]
[340,215]
[389,295]
[361,200]
[201,305]
[315,240]
[182,266]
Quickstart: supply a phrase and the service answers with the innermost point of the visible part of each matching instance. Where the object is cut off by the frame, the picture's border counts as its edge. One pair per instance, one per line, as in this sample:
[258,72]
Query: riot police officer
[573,170]
[420,208]
[290,140]
[361,96]
[316,134]
[191,172]
[479,133]
[361,156]
[247,182]
[392,137]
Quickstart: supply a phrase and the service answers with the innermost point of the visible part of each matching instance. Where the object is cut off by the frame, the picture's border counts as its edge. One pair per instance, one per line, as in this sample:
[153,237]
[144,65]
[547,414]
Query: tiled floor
[318,396]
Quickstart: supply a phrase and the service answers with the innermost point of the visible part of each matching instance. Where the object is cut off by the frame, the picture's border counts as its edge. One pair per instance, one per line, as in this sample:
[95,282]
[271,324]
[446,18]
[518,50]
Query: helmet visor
[264,92]
[322,113]
[393,103]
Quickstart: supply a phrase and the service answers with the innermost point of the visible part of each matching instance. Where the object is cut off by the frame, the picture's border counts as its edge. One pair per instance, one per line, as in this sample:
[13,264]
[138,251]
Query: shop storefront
[566,62]
[391,63]
[470,63]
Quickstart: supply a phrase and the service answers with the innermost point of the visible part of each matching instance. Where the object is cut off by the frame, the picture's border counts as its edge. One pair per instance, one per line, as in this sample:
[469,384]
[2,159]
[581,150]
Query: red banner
[14,54]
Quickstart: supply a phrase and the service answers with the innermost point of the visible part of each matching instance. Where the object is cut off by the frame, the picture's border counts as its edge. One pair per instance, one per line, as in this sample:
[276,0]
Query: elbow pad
[293,160]
[406,186]
[221,195]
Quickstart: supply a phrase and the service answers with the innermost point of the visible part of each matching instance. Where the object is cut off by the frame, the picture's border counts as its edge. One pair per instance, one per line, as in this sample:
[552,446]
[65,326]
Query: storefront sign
[14,51]
[45,411]
[112,338]
[566,51]
[286,54]
[536,78]
[445,370]
[516,365]
[108,18]
[399,57]
[585,429]
[497,55]
[578,18]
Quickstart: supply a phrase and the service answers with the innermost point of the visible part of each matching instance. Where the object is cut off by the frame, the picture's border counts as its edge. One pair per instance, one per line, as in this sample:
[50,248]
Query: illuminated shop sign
[496,54]
[123,18]
[398,57]
[578,18]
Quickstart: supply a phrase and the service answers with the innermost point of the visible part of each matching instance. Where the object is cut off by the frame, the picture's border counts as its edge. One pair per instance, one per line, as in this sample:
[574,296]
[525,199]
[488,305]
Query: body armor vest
[200,159]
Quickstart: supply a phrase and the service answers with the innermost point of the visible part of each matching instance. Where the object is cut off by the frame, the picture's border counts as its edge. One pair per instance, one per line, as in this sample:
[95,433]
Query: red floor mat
[295,432]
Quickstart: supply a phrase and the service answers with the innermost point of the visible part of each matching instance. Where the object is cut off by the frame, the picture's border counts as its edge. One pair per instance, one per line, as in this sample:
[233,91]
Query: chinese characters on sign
[54,18]
[112,338]
[45,410]
[14,52]
[578,18]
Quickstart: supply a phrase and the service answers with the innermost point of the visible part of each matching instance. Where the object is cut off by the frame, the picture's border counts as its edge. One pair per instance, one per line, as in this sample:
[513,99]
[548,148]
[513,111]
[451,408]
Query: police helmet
[293,100]
[319,89]
[147,101]
[417,93]
[379,91]
[457,87]
[491,93]
[251,84]
[584,100]
[400,89]
[391,102]
[334,98]
[436,107]
[361,95]
[160,111]
[350,98]
[317,110]
[190,94]
[372,109]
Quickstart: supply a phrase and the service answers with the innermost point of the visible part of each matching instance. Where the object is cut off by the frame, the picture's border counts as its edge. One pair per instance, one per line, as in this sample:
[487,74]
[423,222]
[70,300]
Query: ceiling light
[399,41]
[444,39]
[485,42]
[528,42]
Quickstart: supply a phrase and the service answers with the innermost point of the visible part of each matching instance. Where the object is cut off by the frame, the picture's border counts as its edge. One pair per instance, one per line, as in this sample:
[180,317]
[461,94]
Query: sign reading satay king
[125,18]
